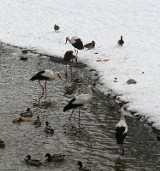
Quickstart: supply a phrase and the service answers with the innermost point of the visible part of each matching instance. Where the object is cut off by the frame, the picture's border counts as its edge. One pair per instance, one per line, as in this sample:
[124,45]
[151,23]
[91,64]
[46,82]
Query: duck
[33,162]
[55,157]
[56,28]
[19,118]
[121,41]
[48,128]
[90,46]
[2,144]
[37,122]
[27,113]
[81,167]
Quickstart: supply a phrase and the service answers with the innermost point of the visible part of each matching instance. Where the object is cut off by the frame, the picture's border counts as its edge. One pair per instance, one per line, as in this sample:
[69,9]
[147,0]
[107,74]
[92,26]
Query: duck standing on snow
[55,157]
[56,28]
[46,75]
[48,128]
[121,130]
[90,46]
[121,42]
[79,101]
[33,162]
[81,167]
[76,43]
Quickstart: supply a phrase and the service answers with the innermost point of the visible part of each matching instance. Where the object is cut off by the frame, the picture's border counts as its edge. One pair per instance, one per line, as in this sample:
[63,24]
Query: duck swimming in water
[37,122]
[81,167]
[48,128]
[27,113]
[55,157]
[33,162]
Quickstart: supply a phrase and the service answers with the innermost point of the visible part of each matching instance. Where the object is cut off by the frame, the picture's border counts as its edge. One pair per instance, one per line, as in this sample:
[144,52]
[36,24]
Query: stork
[46,75]
[80,101]
[121,130]
[121,42]
[69,56]
[76,43]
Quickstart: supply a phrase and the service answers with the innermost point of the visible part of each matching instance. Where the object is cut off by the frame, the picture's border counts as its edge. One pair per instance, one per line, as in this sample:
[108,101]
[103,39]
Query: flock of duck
[78,102]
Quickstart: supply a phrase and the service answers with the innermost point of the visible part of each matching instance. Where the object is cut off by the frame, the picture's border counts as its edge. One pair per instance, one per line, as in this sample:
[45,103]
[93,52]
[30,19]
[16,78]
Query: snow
[30,24]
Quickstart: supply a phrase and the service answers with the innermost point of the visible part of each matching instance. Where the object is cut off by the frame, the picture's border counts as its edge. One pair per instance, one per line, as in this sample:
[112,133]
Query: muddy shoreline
[95,145]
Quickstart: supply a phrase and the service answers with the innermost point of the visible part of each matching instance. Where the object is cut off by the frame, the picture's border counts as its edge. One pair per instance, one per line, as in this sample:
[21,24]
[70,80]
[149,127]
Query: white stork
[121,130]
[79,101]
[46,75]
[75,42]
[69,56]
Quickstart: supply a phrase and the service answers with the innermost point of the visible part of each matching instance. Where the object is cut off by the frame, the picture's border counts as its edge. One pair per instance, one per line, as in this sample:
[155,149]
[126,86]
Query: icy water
[94,144]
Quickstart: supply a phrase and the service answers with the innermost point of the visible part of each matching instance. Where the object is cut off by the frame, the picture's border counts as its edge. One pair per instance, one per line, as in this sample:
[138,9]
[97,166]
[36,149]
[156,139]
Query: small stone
[131,81]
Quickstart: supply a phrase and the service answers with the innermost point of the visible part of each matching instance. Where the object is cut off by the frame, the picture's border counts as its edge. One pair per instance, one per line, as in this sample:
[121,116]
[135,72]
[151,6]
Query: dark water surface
[94,145]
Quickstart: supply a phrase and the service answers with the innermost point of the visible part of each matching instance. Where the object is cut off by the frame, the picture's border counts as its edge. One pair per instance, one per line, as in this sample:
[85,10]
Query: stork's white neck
[90,92]
[122,114]
[68,39]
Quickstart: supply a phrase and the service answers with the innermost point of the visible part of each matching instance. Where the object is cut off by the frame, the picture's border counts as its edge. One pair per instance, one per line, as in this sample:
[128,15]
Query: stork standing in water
[69,56]
[121,41]
[79,102]
[46,75]
[76,43]
[121,130]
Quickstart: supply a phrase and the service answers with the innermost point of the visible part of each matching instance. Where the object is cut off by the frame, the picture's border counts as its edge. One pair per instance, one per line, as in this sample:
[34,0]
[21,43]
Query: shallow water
[94,144]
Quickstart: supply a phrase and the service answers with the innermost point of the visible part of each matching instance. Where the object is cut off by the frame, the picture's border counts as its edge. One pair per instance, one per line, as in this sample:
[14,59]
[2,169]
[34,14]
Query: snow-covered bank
[30,24]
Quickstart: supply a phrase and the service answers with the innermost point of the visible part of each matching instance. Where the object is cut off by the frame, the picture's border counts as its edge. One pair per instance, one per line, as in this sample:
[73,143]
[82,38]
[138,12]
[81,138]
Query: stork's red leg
[41,87]
[71,116]
[45,88]
[122,150]
[66,74]
[79,119]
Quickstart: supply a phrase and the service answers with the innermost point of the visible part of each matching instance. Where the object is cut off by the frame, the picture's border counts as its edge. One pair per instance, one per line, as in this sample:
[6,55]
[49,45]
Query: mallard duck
[81,167]
[33,162]
[2,144]
[90,45]
[55,157]
[48,128]
[37,122]
[121,42]
[27,113]
[56,28]
[19,118]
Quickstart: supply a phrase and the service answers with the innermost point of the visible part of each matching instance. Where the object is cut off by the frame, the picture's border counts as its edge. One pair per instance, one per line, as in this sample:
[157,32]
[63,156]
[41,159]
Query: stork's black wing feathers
[70,105]
[120,135]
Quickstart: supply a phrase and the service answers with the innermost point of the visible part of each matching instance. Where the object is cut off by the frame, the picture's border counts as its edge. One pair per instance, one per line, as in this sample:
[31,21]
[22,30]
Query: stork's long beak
[66,41]
[94,91]
[59,76]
